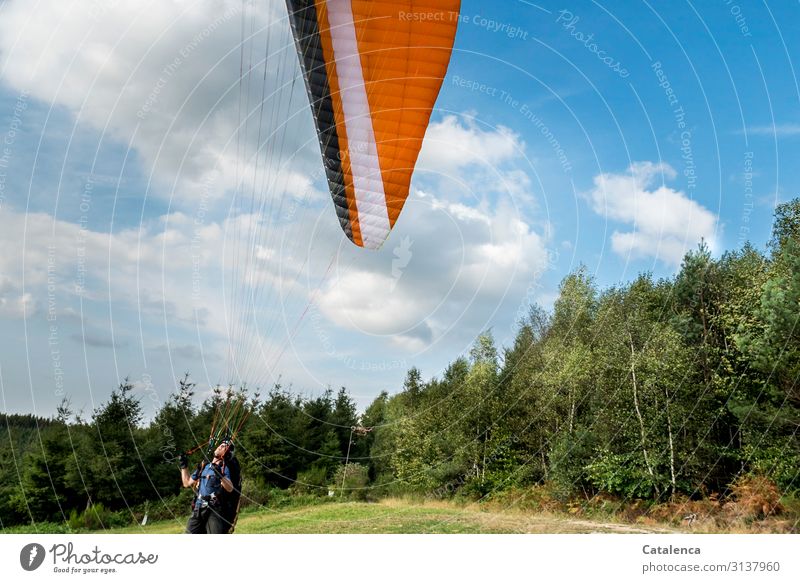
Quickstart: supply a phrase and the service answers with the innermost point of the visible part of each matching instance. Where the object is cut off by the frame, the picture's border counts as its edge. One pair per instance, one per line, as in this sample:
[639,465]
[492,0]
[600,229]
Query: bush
[255,493]
[537,498]
[167,508]
[312,481]
[778,462]
[98,517]
[352,480]
[623,475]
[756,497]
[570,455]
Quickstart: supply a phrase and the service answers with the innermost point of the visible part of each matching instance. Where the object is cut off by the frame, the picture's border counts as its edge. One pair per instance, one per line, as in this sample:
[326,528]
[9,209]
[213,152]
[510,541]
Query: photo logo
[402,256]
[31,556]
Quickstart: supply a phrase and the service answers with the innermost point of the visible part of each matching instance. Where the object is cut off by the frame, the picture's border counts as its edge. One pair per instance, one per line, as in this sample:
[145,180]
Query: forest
[682,388]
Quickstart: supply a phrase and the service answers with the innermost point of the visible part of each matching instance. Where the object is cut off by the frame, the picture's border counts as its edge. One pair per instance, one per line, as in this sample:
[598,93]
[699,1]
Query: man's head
[223,448]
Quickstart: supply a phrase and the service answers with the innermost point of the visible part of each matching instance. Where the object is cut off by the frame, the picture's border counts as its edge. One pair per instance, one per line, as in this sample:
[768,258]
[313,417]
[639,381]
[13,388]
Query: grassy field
[399,517]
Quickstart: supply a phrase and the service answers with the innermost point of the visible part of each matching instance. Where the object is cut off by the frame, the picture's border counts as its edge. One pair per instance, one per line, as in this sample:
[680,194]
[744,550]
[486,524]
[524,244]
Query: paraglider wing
[373,70]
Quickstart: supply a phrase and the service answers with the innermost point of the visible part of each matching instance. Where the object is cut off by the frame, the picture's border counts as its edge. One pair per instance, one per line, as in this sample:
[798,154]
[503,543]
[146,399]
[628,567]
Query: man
[213,478]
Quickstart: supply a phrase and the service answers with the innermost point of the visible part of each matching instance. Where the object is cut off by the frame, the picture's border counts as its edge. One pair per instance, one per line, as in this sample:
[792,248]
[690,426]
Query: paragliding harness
[228,421]
[229,501]
[213,500]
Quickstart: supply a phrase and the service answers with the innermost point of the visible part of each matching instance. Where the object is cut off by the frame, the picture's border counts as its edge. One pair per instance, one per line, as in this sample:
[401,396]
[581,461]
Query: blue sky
[611,135]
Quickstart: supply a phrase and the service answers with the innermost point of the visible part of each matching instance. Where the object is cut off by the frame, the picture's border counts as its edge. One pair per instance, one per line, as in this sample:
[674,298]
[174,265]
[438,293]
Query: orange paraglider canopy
[373,70]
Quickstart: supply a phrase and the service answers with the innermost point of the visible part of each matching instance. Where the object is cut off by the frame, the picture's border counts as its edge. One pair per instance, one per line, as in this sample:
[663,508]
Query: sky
[163,207]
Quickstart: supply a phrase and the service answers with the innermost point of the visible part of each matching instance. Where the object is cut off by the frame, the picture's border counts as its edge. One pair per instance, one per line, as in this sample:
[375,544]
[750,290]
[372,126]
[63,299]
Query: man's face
[221,450]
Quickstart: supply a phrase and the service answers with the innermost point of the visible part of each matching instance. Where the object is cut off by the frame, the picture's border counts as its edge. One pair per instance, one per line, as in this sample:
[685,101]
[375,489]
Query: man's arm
[225,477]
[186,479]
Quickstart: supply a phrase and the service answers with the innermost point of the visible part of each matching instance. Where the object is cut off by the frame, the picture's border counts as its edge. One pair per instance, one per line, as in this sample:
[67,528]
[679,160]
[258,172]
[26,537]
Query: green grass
[390,517]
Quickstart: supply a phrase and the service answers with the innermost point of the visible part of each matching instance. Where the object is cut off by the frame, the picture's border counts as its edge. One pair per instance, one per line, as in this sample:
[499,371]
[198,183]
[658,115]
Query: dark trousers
[208,520]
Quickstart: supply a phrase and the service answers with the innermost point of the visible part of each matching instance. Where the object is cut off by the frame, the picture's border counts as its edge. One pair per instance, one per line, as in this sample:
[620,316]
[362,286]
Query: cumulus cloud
[172,272]
[666,222]
[455,144]
[14,302]
[187,352]
[166,81]
[459,266]
[464,248]
[455,258]
[97,340]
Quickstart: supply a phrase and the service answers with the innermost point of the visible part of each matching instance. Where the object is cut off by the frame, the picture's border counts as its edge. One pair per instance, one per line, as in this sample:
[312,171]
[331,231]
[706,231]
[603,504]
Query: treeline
[650,390]
[640,391]
[64,469]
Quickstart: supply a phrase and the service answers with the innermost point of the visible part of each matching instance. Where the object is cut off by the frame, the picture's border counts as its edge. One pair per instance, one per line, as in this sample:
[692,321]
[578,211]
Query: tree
[117,467]
[770,412]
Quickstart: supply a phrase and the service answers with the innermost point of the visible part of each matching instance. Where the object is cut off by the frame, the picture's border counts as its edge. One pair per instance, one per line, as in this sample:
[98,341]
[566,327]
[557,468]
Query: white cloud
[454,259]
[666,222]
[452,146]
[172,273]
[778,130]
[164,78]
[461,266]
[14,303]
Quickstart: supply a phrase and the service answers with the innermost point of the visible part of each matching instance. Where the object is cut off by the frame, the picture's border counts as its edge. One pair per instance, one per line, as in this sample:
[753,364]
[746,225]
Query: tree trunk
[544,464]
[571,411]
[671,444]
[706,371]
[639,415]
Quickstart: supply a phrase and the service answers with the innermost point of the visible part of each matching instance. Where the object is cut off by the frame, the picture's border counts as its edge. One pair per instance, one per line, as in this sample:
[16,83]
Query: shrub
[756,497]
[312,481]
[570,454]
[168,507]
[352,480]
[255,493]
[98,517]
[534,498]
